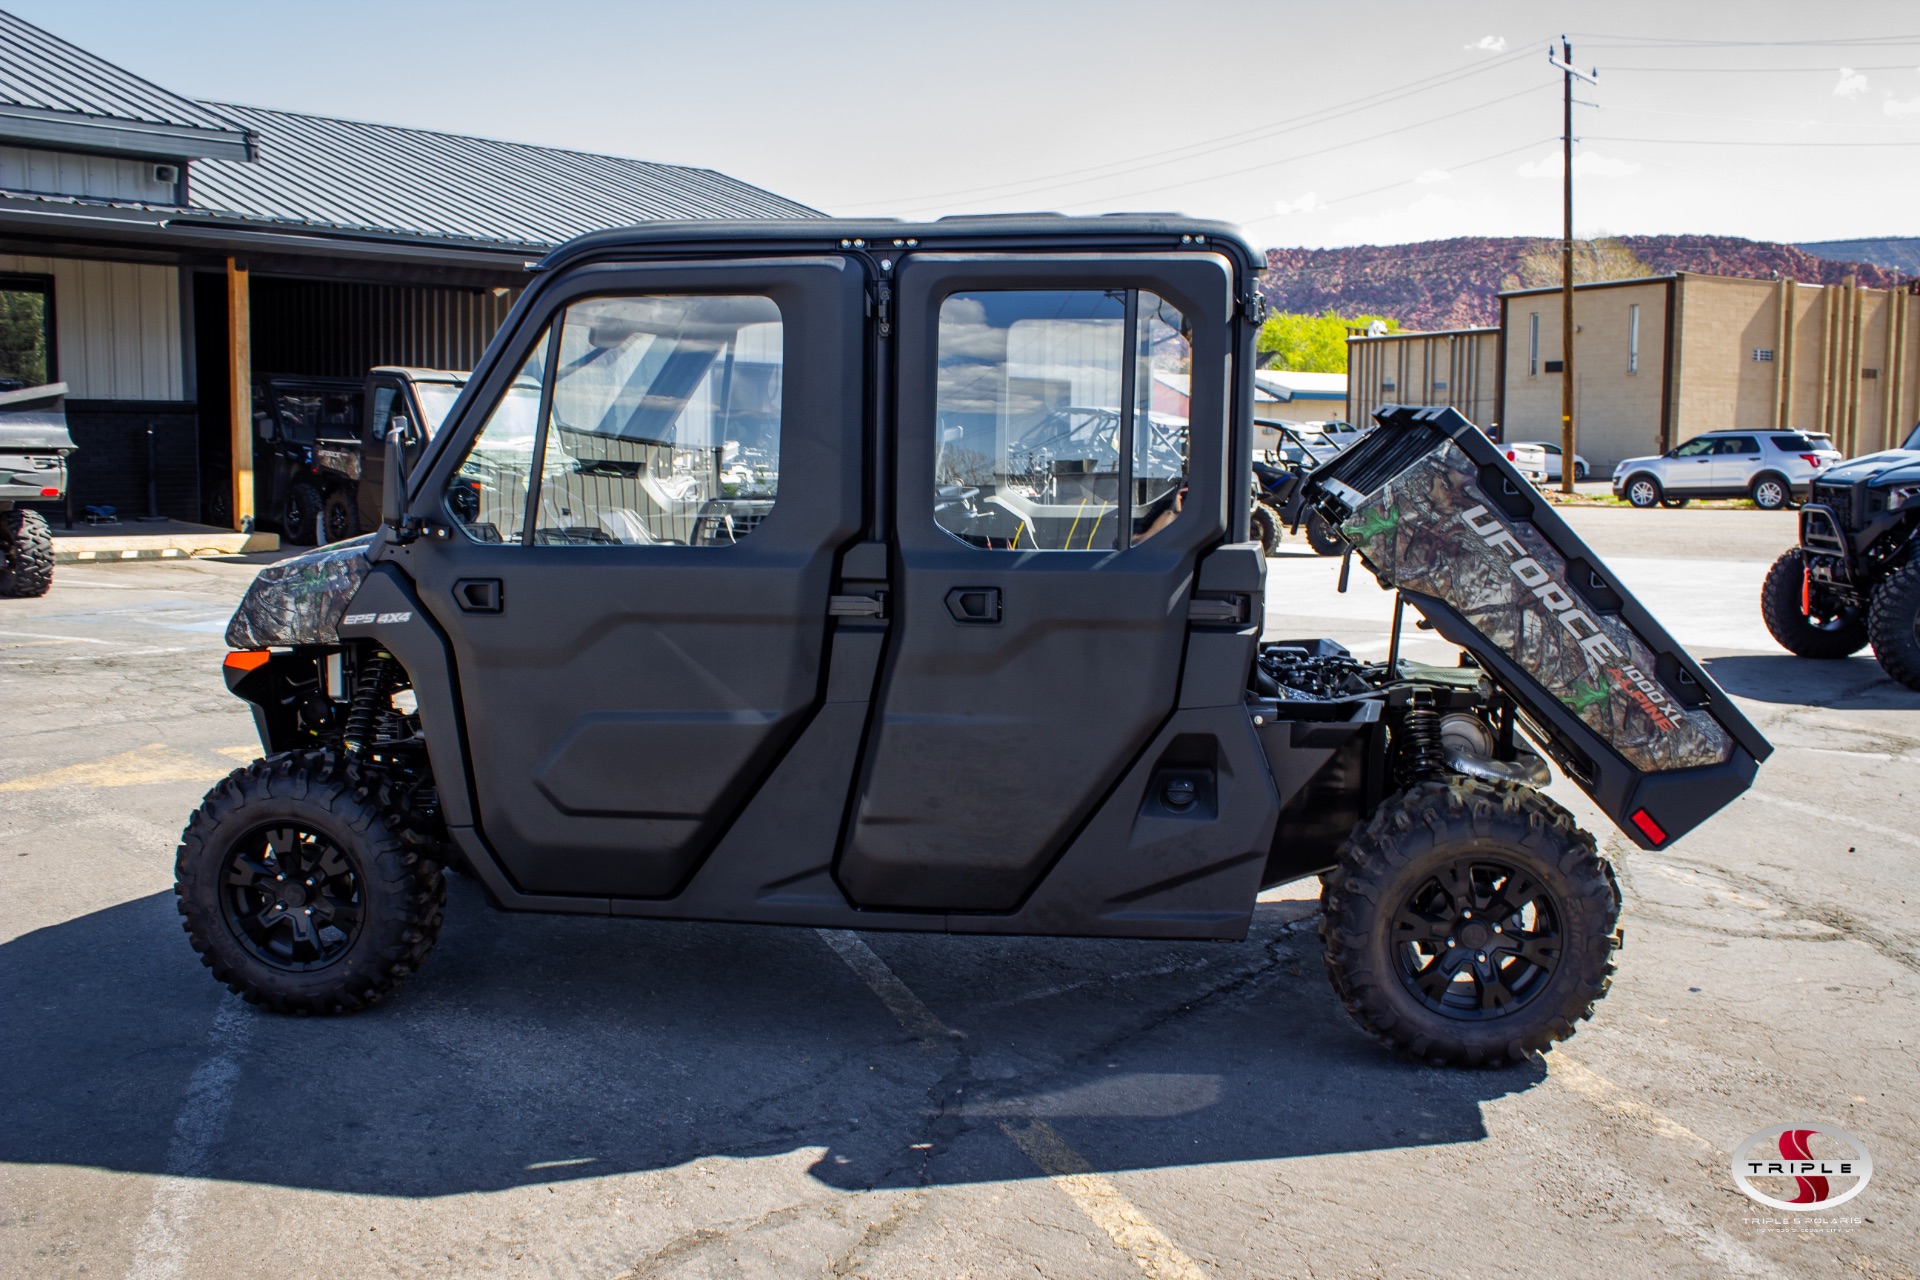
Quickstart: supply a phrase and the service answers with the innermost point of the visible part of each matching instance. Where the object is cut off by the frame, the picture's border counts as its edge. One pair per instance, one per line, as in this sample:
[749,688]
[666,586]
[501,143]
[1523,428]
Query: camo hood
[301,600]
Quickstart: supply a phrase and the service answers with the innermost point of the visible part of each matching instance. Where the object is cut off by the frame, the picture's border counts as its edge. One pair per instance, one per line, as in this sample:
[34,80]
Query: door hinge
[883,306]
[871,606]
[1254,306]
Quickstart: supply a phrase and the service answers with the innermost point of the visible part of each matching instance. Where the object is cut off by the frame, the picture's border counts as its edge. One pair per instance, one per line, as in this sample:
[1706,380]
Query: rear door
[1059,469]
[633,659]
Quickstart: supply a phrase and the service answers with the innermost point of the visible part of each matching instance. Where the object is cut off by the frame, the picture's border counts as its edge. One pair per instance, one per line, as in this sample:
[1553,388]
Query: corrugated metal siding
[341,330]
[30,169]
[348,175]
[41,71]
[116,326]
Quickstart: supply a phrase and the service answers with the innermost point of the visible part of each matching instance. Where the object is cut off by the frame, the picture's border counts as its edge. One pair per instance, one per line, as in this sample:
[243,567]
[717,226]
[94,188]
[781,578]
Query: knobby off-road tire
[1322,537]
[1264,528]
[339,518]
[26,553]
[303,889]
[1404,878]
[298,519]
[1834,635]
[1893,624]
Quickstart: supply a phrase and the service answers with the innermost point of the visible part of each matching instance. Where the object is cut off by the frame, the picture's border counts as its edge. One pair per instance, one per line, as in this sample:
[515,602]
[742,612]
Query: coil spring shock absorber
[376,683]
[1420,755]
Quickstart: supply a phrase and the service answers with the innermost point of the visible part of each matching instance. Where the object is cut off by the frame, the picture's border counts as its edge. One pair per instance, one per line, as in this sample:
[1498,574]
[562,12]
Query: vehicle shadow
[532,1049]
[1842,684]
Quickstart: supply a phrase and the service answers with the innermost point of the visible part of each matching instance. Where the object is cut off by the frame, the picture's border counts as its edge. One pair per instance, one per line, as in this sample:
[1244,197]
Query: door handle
[478,595]
[977,606]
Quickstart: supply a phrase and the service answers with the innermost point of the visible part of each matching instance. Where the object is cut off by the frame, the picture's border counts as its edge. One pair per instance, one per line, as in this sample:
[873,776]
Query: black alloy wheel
[1265,528]
[292,898]
[339,517]
[1479,938]
[297,517]
[1809,620]
[1322,536]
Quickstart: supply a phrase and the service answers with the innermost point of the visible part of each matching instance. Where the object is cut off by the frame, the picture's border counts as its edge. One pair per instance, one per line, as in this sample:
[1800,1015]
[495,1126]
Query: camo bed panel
[300,601]
[1433,530]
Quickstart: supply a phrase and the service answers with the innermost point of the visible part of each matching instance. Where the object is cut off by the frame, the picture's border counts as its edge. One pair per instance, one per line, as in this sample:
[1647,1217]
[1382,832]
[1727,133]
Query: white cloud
[1852,84]
[1488,44]
[1898,109]
[1428,177]
[1588,164]
[1308,203]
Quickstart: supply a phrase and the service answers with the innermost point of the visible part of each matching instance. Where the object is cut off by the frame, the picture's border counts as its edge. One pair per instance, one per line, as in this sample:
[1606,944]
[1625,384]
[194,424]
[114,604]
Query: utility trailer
[845,576]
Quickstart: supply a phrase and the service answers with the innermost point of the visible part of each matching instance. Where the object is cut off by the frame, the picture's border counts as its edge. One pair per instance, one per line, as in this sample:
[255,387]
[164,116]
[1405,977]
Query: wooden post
[240,392]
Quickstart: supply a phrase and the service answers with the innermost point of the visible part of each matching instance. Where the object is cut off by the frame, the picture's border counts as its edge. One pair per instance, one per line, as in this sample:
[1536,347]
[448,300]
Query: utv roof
[975,231]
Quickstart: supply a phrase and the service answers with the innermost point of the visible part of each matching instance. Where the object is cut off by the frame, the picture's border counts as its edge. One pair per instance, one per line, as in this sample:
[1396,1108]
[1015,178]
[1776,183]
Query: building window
[1763,355]
[26,332]
[1633,338]
[1533,345]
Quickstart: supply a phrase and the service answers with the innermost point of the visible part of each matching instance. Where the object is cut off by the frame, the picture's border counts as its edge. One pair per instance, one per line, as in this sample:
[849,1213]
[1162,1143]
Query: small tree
[1311,344]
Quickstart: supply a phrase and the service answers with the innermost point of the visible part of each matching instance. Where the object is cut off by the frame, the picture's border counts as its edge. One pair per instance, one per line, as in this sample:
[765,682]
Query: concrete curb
[161,546]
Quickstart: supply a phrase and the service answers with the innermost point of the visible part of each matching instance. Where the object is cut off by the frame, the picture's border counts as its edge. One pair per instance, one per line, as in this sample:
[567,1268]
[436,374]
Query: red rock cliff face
[1450,284]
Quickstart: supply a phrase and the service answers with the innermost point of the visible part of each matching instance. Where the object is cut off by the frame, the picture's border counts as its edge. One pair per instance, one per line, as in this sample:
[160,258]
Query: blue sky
[1316,124]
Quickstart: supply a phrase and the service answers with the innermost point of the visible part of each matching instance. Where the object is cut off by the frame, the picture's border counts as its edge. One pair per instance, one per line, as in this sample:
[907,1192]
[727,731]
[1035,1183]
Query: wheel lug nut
[279,906]
[308,910]
[279,877]
[1496,928]
[1481,957]
[1467,915]
[1452,943]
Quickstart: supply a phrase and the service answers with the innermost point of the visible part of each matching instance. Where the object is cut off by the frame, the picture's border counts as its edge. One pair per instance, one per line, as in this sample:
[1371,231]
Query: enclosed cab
[34,448]
[848,574]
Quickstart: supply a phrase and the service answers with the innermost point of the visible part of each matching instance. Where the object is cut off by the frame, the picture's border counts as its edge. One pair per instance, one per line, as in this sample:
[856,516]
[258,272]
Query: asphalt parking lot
[580,1097]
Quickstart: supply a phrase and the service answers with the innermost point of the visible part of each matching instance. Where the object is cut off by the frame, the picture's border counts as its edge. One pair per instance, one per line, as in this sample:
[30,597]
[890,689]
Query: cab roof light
[247,659]
[1648,827]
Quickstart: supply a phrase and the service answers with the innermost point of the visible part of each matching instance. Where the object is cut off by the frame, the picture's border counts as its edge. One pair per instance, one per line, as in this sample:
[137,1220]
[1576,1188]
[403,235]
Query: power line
[1679,42]
[1321,151]
[1372,191]
[1721,142]
[1826,70]
[1206,146]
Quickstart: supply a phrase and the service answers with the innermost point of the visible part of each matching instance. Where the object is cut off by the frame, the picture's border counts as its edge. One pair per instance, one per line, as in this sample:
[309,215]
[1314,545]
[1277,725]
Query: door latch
[478,595]
[978,606]
[869,606]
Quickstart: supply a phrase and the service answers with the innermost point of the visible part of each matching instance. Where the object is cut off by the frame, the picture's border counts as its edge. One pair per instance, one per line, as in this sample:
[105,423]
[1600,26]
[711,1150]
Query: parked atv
[1854,580]
[1280,495]
[772,611]
[34,448]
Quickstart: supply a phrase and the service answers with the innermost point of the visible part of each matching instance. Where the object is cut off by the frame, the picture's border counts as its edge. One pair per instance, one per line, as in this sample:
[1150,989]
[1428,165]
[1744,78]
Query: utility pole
[1565,63]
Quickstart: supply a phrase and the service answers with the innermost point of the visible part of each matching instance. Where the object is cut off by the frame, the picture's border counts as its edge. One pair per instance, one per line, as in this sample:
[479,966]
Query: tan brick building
[1662,359]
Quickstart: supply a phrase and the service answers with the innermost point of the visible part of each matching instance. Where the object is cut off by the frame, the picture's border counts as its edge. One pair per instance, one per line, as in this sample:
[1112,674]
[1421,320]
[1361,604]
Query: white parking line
[1839,815]
[1095,1195]
[165,1242]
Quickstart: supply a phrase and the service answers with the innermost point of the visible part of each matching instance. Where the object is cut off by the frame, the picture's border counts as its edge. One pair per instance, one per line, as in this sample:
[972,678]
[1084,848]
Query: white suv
[1774,468]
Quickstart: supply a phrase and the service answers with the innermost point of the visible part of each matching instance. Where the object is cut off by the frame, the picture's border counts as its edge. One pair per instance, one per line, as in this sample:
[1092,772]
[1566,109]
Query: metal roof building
[170,250]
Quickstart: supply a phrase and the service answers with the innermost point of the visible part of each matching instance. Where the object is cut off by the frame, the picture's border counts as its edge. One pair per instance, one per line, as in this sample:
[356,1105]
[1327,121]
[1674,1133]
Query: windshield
[1913,441]
[435,399]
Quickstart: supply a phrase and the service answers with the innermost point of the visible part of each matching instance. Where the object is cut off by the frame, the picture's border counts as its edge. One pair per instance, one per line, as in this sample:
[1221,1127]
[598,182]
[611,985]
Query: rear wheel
[1771,492]
[301,887]
[1321,536]
[1894,625]
[1579,471]
[1469,924]
[1264,528]
[339,517]
[26,553]
[1805,622]
[298,517]
[1643,491]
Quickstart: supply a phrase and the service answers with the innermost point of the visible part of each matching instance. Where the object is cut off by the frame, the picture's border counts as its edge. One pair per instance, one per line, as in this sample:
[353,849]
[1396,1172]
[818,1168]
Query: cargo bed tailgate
[1437,512]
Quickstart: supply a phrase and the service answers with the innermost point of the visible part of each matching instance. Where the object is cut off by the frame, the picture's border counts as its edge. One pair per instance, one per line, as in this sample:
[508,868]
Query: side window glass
[382,411]
[665,426]
[1694,449]
[487,496]
[1061,418]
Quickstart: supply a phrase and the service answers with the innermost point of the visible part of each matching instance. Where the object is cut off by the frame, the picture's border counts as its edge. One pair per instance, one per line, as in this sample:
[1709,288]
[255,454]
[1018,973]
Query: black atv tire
[1389,896]
[339,518]
[379,885]
[1322,537]
[1836,635]
[1264,528]
[1893,624]
[26,553]
[298,516]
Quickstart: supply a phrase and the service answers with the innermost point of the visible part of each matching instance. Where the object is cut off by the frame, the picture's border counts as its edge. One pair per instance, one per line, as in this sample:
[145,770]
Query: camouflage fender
[301,600]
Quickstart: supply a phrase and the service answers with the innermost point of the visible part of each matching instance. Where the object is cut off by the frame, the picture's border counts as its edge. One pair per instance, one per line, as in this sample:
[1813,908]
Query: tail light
[1811,459]
[49,493]
[1648,827]
[1510,457]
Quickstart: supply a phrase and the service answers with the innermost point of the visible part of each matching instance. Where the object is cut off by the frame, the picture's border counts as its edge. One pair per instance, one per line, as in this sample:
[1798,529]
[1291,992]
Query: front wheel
[300,888]
[26,553]
[339,517]
[1806,622]
[1894,625]
[1469,924]
[1643,492]
[298,518]
[1322,538]
[1580,472]
[1264,528]
[1771,493]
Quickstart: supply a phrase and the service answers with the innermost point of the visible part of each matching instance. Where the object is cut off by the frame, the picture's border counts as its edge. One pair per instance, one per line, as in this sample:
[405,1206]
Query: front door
[641,510]
[1736,460]
[1060,469]
[386,400]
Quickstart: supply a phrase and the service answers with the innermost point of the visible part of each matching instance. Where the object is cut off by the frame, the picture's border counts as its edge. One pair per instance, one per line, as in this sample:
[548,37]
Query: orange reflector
[248,659]
[1651,829]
